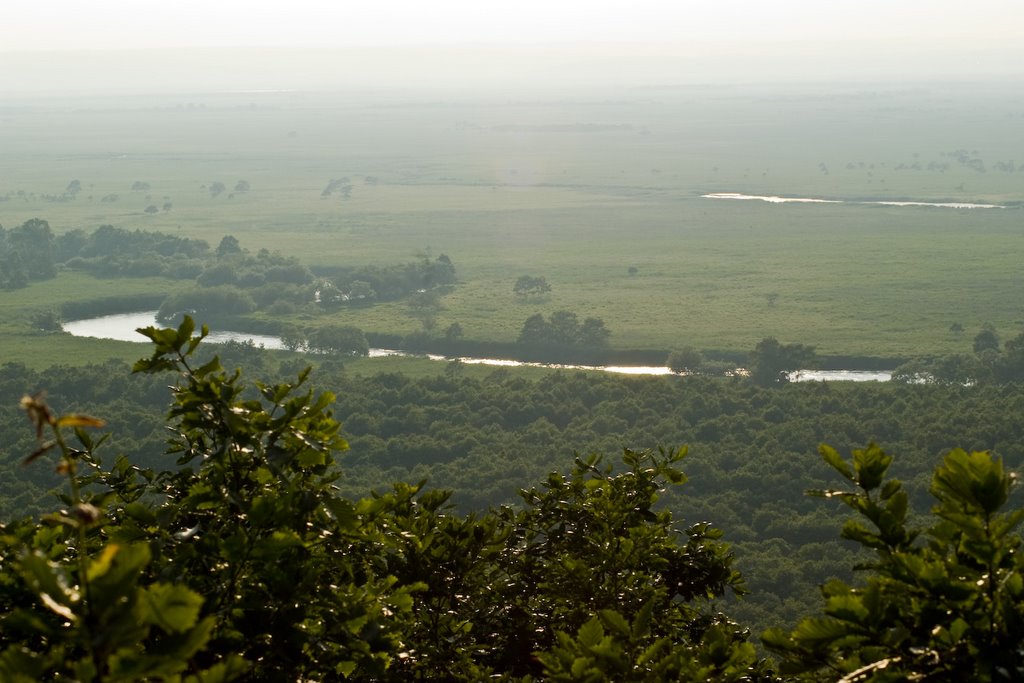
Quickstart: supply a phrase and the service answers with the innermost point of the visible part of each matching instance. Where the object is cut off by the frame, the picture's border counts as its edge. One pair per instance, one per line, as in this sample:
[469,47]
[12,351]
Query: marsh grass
[579,208]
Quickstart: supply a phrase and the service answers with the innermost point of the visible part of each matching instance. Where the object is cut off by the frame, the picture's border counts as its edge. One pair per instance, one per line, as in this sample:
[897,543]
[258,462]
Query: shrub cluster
[243,562]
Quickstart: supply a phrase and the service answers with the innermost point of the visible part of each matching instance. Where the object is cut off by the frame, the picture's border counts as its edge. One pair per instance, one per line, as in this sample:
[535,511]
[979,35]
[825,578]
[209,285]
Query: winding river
[123,326]
[771,199]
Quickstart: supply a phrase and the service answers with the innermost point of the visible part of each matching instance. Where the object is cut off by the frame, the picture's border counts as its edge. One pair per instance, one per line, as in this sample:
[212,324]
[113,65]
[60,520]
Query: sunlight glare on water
[122,327]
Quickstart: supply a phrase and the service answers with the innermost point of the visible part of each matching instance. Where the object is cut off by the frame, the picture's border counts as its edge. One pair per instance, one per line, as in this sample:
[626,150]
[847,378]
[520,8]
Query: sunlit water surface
[124,326]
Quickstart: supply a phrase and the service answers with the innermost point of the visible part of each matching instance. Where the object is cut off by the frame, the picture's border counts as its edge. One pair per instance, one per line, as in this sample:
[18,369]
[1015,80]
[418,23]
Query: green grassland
[576,189]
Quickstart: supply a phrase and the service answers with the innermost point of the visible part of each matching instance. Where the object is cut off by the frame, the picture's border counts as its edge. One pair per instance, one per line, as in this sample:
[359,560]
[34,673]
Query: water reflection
[771,199]
[122,327]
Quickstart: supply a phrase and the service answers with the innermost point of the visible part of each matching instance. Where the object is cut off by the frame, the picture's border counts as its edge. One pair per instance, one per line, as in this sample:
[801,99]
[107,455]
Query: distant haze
[482,67]
[65,46]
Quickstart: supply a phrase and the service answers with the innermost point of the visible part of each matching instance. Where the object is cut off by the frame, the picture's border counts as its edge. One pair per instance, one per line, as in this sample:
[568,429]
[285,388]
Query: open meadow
[598,192]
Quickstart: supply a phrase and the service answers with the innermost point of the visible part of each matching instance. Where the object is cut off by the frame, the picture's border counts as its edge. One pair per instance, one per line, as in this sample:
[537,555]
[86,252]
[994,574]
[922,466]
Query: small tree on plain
[528,286]
[687,359]
[771,361]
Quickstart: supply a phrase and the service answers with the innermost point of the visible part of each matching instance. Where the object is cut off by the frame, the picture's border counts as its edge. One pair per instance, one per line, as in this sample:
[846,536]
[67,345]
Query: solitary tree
[528,286]
[342,340]
[687,359]
[31,246]
[986,340]
[361,291]
[229,245]
[454,332]
[771,362]
[293,338]
[424,306]
[1010,365]
[47,320]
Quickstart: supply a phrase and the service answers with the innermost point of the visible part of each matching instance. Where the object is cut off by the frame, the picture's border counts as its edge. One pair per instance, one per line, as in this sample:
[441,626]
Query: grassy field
[577,190]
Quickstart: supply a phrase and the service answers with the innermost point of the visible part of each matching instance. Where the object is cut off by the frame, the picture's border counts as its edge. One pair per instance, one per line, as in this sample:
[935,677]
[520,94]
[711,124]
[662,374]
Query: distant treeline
[226,282]
[26,253]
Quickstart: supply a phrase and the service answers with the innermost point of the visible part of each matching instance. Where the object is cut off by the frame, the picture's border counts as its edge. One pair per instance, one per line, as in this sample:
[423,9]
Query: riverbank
[124,326]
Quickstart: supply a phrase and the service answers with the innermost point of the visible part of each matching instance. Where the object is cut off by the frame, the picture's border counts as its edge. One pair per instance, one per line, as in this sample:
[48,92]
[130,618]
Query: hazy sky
[740,37]
[90,24]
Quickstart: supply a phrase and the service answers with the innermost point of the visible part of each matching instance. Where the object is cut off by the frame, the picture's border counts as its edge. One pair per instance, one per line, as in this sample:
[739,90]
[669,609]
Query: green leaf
[890,488]
[310,457]
[642,621]
[119,578]
[871,465]
[101,565]
[653,652]
[153,365]
[342,510]
[897,506]
[591,633]
[279,541]
[173,608]
[975,480]
[847,607]
[345,668]
[162,337]
[185,329]
[50,581]
[615,622]
[232,668]
[19,665]
[832,457]
[195,341]
[182,646]
[579,667]
[778,639]
[816,630]
[855,531]
[1015,584]
[141,513]
[76,420]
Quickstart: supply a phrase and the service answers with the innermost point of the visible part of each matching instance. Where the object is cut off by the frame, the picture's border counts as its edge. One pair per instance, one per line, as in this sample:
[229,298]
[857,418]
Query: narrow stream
[772,199]
[122,327]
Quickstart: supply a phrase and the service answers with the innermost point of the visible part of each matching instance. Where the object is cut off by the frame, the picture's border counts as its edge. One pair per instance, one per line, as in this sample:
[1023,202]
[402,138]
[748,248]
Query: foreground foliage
[950,608]
[242,561]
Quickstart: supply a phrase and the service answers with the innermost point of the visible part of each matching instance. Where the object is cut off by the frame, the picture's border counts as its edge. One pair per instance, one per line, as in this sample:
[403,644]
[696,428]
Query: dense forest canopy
[214,565]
